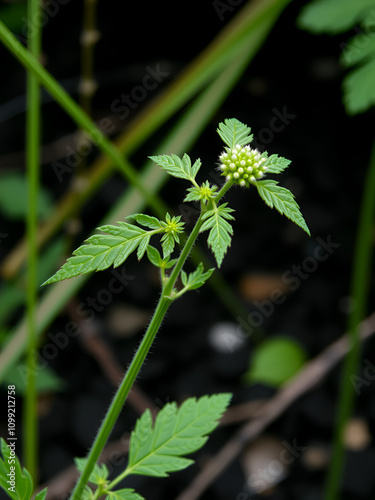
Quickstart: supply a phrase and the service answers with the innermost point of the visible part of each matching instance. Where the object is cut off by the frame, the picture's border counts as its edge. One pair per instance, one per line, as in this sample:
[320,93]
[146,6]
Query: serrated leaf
[233,132]
[98,474]
[197,278]
[157,450]
[194,194]
[283,200]
[220,235]
[167,243]
[359,88]
[146,220]
[104,250]
[178,167]
[125,494]
[276,164]
[23,486]
[333,16]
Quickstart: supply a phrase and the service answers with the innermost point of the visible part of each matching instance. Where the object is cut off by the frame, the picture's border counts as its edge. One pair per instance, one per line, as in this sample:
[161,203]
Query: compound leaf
[104,250]
[197,278]
[276,164]
[234,132]
[23,484]
[157,450]
[178,167]
[333,16]
[125,494]
[283,200]
[220,235]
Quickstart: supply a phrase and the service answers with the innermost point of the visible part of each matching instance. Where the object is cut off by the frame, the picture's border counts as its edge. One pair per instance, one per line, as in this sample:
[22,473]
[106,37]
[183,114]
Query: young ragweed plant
[157,450]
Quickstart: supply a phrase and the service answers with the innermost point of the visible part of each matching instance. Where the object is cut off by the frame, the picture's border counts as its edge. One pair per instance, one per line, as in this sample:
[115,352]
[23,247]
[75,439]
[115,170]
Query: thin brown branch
[313,372]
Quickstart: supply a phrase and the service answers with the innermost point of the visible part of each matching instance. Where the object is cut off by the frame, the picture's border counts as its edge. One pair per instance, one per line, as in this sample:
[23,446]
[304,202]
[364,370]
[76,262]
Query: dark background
[329,152]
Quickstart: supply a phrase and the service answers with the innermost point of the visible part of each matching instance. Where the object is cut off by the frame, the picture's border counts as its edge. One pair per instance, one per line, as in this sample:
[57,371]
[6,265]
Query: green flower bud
[243,165]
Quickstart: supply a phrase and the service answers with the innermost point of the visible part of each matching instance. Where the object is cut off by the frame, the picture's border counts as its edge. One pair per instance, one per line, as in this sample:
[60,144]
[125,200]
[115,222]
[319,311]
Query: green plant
[240,165]
[336,16]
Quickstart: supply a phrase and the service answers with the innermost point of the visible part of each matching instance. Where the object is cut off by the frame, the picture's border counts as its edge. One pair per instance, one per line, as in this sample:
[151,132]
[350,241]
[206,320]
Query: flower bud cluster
[243,165]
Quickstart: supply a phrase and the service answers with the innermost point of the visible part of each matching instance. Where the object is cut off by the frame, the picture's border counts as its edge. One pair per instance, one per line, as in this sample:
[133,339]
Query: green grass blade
[33,118]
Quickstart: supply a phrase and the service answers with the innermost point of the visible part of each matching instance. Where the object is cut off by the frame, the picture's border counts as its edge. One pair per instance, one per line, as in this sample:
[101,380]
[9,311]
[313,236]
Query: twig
[313,373]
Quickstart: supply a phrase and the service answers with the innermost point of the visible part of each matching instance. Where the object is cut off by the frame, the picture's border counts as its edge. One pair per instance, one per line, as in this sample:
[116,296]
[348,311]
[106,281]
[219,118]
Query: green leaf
[154,256]
[283,200]
[146,220]
[275,361]
[233,132]
[104,250]
[157,450]
[219,237]
[333,16]
[276,164]
[194,194]
[9,464]
[125,494]
[14,196]
[46,379]
[197,278]
[99,473]
[359,48]
[178,167]
[359,88]
[41,495]
[168,243]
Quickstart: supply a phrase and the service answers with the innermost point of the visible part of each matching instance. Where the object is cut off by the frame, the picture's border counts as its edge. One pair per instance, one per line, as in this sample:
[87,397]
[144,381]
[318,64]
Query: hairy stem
[165,300]
[121,395]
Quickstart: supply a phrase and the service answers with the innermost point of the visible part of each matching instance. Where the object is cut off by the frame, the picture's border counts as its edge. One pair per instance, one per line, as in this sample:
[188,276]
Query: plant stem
[121,395]
[30,424]
[359,291]
[119,399]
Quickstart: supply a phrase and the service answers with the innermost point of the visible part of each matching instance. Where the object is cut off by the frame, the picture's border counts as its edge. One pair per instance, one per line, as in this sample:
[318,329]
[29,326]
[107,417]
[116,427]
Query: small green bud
[243,165]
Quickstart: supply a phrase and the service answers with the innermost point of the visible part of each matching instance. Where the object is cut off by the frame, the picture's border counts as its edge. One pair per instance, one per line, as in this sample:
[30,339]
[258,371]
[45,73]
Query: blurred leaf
[14,196]
[275,361]
[14,16]
[359,88]
[333,16]
[46,379]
